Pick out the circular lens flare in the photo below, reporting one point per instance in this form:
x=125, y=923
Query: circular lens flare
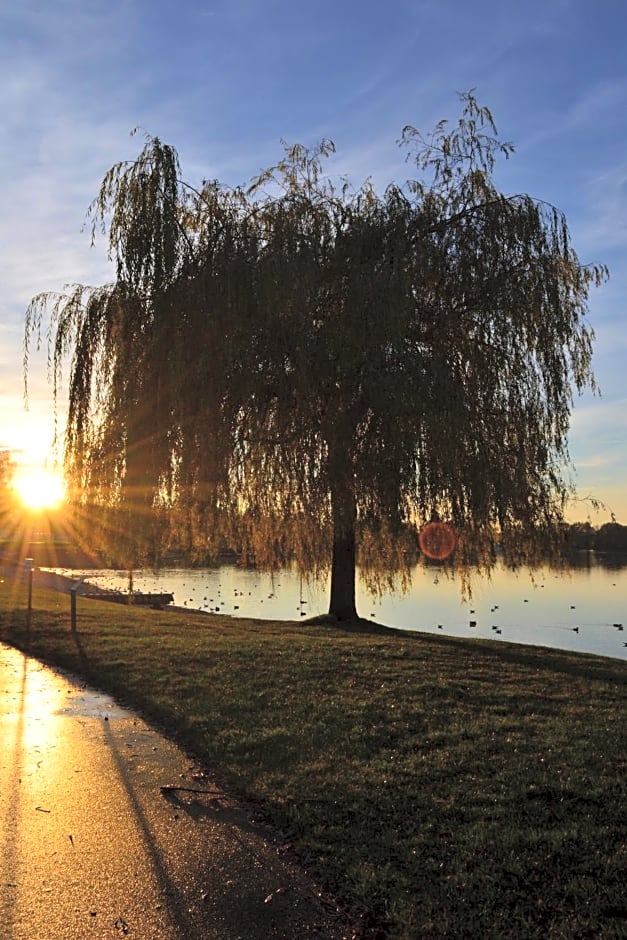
x=437, y=540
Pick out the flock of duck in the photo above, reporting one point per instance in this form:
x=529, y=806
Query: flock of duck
x=212, y=594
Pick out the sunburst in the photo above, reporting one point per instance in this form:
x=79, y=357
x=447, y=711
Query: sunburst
x=39, y=489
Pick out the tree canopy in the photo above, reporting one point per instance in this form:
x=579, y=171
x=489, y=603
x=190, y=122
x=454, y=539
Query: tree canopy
x=305, y=370
x=7, y=471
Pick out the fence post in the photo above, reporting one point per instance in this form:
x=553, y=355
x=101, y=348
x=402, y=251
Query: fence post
x=28, y=567
x=73, y=608
x=73, y=593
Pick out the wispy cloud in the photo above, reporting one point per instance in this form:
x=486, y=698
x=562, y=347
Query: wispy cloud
x=607, y=209
x=598, y=444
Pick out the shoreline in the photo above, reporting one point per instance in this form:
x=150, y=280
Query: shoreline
x=53, y=581
x=550, y=627
x=48, y=579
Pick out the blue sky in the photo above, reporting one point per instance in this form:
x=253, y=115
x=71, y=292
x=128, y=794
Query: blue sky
x=225, y=80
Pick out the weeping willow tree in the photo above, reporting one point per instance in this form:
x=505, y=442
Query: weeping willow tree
x=7, y=471
x=307, y=370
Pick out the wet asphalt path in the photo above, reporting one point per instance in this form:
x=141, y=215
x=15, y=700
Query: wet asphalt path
x=92, y=847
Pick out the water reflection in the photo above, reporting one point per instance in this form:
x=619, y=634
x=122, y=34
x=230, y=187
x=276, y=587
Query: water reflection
x=579, y=607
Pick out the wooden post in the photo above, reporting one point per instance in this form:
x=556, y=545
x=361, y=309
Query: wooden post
x=73, y=593
x=28, y=565
x=73, y=609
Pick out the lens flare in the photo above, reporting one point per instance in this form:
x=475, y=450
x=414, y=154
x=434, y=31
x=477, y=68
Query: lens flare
x=437, y=540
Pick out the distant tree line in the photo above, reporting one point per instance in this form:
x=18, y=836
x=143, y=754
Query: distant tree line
x=583, y=536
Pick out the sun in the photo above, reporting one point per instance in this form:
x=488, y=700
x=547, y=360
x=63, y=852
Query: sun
x=39, y=489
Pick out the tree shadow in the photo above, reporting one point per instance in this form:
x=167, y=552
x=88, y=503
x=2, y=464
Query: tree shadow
x=578, y=665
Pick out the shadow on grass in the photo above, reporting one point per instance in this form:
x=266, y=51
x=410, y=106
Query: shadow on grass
x=577, y=665
x=360, y=626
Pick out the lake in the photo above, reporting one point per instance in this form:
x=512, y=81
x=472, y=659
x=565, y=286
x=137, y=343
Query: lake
x=583, y=609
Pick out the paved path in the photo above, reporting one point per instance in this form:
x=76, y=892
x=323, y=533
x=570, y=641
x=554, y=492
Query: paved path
x=92, y=847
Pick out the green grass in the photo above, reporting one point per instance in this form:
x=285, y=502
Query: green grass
x=438, y=787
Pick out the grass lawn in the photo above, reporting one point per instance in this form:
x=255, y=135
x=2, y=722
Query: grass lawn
x=438, y=787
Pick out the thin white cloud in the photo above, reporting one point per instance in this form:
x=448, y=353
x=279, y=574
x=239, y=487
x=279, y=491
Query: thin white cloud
x=601, y=415
x=598, y=445
x=607, y=209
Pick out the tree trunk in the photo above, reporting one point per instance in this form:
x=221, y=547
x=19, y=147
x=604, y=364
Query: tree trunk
x=342, y=603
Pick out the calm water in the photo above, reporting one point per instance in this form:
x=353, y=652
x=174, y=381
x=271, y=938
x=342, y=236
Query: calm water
x=579, y=611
